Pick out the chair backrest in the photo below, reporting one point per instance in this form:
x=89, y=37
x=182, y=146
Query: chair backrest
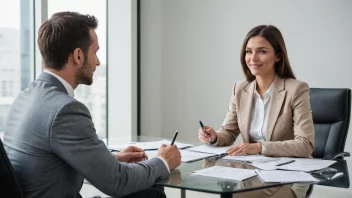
x=9, y=184
x=331, y=110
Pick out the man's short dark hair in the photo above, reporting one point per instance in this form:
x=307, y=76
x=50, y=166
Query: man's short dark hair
x=60, y=35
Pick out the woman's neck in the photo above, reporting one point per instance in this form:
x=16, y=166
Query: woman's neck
x=263, y=84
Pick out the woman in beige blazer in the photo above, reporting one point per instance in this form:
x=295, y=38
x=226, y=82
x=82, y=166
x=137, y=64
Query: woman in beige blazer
x=270, y=109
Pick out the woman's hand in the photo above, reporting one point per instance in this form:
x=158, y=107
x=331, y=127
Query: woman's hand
x=208, y=136
x=245, y=149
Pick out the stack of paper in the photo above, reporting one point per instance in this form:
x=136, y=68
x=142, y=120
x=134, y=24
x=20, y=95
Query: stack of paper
x=285, y=176
x=226, y=173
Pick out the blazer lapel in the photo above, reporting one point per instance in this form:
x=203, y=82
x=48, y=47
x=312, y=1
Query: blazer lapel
x=246, y=109
x=277, y=98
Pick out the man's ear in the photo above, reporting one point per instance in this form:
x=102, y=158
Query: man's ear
x=78, y=57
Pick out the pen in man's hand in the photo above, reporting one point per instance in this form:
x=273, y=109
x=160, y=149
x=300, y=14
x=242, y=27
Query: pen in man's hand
x=173, y=140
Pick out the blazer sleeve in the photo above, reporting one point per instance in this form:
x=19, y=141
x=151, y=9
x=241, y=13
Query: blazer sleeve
x=229, y=129
x=74, y=139
x=303, y=128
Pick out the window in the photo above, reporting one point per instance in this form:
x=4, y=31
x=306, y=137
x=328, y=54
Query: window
x=15, y=69
x=94, y=96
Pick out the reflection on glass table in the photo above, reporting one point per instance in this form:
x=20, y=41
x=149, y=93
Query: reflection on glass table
x=185, y=181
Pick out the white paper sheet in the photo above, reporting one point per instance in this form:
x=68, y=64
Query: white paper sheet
x=250, y=158
x=285, y=176
x=307, y=164
x=155, y=145
x=223, y=172
x=210, y=149
x=186, y=156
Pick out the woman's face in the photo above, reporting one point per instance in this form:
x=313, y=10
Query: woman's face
x=260, y=57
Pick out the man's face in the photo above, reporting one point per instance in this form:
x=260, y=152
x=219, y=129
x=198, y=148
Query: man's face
x=84, y=75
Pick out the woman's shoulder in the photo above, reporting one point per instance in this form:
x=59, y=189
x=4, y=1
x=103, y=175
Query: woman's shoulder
x=291, y=83
x=240, y=85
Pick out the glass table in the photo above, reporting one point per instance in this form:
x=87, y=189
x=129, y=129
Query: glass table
x=181, y=178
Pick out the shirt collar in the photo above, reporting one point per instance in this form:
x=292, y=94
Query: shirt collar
x=266, y=94
x=67, y=86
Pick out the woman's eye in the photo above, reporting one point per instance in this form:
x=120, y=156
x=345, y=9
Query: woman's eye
x=262, y=52
x=248, y=51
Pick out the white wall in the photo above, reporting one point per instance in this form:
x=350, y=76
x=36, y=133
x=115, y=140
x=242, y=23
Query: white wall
x=190, y=55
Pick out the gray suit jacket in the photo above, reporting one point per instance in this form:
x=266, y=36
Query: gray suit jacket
x=52, y=144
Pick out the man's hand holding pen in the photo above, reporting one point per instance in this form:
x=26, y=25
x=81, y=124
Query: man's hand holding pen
x=207, y=134
x=171, y=155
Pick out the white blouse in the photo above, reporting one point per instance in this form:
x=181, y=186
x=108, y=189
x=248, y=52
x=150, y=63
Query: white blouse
x=259, y=122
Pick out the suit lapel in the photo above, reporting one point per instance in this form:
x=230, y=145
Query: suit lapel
x=246, y=109
x=276, y=101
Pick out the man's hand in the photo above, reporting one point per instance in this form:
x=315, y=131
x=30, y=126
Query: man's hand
x=132, y=154
x=171, y=155
x=245, y=149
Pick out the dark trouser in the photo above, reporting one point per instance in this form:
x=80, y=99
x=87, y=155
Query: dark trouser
x=152, y=192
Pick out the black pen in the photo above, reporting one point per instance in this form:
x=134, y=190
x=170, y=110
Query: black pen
x=203, y=127
x=173, y=140
x=284, y=163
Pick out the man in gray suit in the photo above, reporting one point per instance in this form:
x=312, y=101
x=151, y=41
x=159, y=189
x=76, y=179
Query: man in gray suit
x=50, y=137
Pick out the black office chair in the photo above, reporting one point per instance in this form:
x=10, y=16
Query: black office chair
x=9, y=185
x=331, y=109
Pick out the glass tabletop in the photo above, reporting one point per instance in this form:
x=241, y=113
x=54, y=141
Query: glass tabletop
x=181, y=178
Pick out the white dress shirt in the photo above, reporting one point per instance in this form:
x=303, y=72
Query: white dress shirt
x=67, y=86
x=259, y=122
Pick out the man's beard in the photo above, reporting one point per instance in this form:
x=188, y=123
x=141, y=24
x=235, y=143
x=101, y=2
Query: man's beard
x=83, y=75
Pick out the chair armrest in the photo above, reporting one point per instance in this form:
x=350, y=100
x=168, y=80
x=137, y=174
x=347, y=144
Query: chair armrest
x=334, y=156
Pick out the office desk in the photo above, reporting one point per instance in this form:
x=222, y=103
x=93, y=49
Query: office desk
x=181, y=179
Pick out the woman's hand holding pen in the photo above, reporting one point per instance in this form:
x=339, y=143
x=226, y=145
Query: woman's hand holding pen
x=208, y=136
x=245, y=149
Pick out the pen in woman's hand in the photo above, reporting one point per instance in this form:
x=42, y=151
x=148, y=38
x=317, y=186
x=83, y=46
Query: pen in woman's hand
x=204, y=129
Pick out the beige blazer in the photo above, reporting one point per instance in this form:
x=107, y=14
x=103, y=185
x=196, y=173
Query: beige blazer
x=290, y=130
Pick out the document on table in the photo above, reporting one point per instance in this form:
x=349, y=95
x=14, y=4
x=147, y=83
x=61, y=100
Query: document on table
x=222, y=172
x=210, y=149
x=285, y=176
x=307, y=164
x=186, y=155
x=250, y=158
x=155, y=145
x=271, y=163
x=190, y=156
